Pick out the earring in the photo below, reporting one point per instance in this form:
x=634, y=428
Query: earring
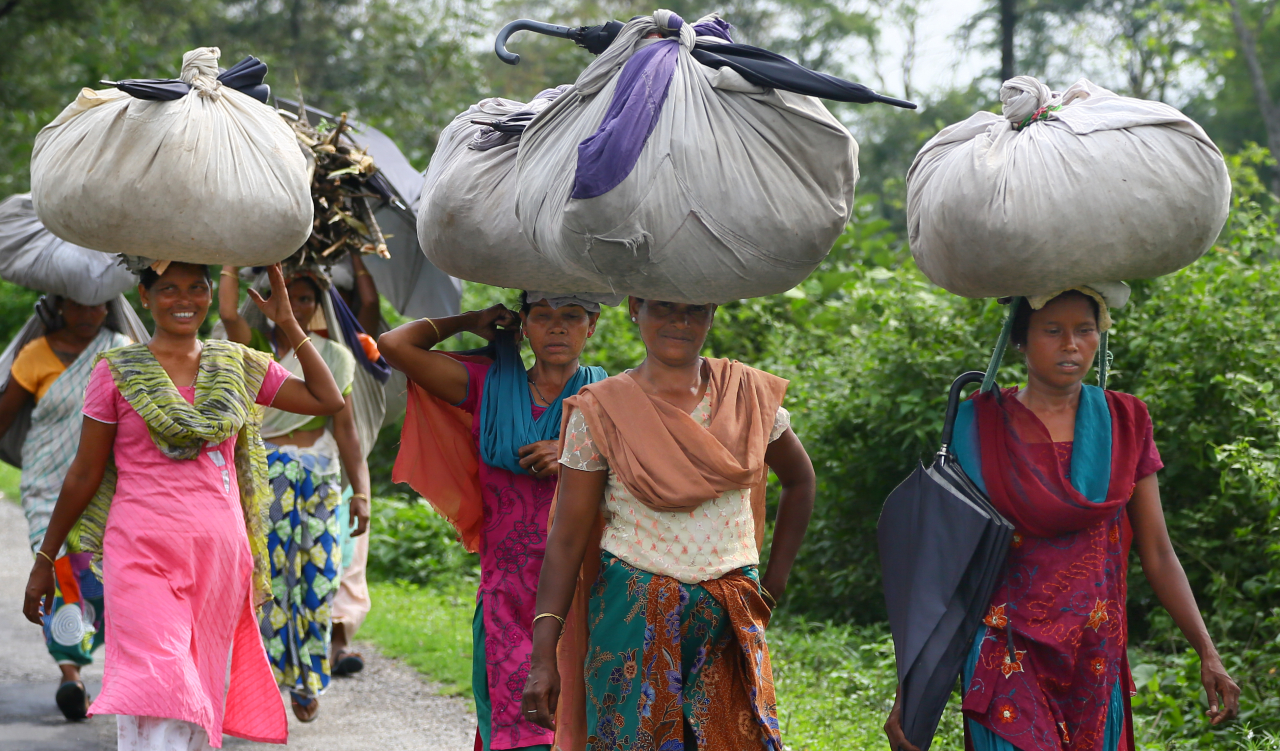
x=633, y=319
x=146, y=305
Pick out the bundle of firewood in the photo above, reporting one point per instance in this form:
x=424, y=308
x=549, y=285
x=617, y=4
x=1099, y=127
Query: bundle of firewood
x=341, y=186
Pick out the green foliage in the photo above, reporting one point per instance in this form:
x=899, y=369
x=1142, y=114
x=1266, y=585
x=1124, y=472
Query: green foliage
x=835, y=686
x=17, y=304
x=412, y=543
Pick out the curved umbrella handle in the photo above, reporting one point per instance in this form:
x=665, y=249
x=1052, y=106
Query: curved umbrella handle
x=511, y=58
x=953, y=404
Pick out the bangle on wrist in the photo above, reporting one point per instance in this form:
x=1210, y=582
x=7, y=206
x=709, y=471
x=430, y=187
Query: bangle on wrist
x=46, y=557
x=297, y=347
x=550, y=615
x=434, y=328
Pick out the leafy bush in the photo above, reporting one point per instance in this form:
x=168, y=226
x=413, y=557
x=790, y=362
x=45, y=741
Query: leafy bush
x=412, y=543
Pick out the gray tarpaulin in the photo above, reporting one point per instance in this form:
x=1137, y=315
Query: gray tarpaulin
x=32, y=256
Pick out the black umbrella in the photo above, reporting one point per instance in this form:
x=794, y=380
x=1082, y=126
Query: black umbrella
x=942, y=545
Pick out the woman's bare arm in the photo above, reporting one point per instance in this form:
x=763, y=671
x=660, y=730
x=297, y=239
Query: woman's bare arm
x=790, y=462
x=14, y=398
x=229, y=306
x=316, y=393
x=577, y=504
x=408, y=349
x=352, y=455
x=1164, y=571
x=82, y=482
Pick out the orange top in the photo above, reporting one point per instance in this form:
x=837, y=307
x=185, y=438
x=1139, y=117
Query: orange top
x=37, y=366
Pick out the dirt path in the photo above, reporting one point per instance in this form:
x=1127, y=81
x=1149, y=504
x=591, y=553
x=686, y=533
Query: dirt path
x=385, y=708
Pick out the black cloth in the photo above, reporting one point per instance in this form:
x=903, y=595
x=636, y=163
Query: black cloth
x=942, y=545
x=246, y=76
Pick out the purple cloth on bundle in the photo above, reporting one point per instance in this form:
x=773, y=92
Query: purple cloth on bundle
x=606, y=157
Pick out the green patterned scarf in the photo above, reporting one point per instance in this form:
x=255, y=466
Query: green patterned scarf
x=226, y=390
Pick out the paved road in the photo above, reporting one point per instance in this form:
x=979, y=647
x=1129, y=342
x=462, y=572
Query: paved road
x=385, y=708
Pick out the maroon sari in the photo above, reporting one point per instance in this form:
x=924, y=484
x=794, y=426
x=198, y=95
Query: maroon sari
x=1056, y=636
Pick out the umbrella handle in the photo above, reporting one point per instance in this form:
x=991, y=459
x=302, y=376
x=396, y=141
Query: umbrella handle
x=524, y=24
x=953, y=405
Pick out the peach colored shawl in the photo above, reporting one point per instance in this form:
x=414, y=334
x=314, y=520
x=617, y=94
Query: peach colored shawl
x=670, y=463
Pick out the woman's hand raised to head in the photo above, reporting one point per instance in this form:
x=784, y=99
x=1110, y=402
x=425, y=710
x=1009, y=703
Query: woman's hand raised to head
x=277, y=307
x=489, y=320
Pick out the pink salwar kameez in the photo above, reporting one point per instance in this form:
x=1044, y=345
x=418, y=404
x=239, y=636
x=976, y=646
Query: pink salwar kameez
x=181, y=638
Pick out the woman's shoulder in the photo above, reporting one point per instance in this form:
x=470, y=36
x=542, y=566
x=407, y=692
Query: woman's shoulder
x=1127, y=401
x=37, y=346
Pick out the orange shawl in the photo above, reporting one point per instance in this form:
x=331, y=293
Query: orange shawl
x=670, y=463
x=438, y=458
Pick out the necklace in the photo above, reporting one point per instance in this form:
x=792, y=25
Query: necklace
x=545, y=401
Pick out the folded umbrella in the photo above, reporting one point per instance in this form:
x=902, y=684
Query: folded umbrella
x=942, y=545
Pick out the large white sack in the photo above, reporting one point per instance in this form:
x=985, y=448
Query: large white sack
x=213, y=177
x=467, y=225
x=1106, y=188
x=32, y=256
x=738, y=192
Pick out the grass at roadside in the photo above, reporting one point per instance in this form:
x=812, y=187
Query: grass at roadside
x=834, y=682
x=10, y=477
x=427, y=627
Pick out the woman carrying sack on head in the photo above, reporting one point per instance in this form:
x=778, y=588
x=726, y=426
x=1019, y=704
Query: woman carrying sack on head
x=665, y=644
x=1073, y=467
x=488, y=465
x=305, y=459
x=52, y=371
x=170, y=457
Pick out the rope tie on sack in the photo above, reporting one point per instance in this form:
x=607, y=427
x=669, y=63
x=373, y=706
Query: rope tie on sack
x=669, y=22
x=1026, y=101
x=200, y=72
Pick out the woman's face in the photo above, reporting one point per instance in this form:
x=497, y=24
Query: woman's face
x=1062, y=339
x=83, y=321
x=179, y=300
x=557, y=335
x=672, y=332
x=303, y=300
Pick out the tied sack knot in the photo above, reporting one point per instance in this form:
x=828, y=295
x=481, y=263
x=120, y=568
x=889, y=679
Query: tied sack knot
x=669, y=22
x=200, y=71
x=1026, y=100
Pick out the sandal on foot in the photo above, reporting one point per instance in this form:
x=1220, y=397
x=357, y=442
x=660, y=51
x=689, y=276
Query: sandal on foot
x=305, y=708
x=347, y=663
x=73, y=700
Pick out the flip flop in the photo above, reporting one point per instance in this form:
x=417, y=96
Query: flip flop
x=73, y=700
x=348, y=663
x=304, y=708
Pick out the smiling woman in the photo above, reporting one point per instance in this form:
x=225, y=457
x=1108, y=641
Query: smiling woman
x=168, y=484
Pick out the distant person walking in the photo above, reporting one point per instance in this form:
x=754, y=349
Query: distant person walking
x=1073, y=467
x=305, y=459
x=170, y=486
x=52, y=372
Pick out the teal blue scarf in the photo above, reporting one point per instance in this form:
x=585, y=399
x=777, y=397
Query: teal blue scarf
x=506, y=411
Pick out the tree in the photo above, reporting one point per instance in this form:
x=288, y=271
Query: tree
x=1247, y=35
